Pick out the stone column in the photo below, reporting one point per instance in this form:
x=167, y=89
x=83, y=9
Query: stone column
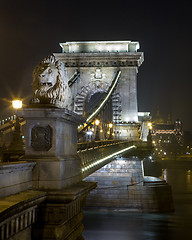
x=128, y=93
x=127, y=128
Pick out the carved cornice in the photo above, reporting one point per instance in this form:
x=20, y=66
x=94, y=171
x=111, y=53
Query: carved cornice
x=111, y=59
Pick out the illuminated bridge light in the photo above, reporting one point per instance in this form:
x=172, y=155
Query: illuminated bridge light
x=106, y=158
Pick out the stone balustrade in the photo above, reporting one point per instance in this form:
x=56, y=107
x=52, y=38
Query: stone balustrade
x=17, y=223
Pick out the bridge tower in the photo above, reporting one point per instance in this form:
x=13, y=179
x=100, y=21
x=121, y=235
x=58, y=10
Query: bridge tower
x=91, y=68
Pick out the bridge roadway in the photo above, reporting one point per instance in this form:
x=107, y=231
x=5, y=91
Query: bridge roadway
x=96, y=154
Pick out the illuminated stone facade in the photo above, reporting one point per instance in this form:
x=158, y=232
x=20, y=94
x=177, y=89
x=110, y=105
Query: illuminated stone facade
x=167, y=140
x=96, y=64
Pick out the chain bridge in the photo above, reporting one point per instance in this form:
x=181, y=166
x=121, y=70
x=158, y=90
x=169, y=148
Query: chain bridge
x=102, y=138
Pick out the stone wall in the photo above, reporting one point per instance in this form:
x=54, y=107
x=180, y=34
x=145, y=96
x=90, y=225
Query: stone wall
x=122, y=186
x=15, y=177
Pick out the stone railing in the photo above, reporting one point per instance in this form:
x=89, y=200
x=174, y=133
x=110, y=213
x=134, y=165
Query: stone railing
x=8, y=119
x=18, y=214
x=17, y=223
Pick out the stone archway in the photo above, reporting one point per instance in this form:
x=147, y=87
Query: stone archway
x=93, y=100
x=88, y=91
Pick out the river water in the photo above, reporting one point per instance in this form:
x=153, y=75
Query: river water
x=147, y=226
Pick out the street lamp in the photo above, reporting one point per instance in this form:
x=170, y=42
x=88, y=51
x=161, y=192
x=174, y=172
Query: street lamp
x=16, y=147
x=149, y=137
x=97, y=122
x=17, y=104
x=110, y=131
x=97, y=137
x=149, y=124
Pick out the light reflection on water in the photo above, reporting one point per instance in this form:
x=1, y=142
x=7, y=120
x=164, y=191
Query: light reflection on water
x=143, y=226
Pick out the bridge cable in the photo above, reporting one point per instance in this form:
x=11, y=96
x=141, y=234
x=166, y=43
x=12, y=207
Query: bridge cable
x=103, y=103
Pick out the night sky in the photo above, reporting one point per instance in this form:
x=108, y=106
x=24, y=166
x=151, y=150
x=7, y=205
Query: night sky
x=32, y=30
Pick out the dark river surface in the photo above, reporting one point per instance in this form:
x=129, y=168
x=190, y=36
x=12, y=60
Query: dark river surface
x=147, y=226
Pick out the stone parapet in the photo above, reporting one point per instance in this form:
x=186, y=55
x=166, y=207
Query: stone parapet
x=18, y=214
x=99, y=46
x=15, y=177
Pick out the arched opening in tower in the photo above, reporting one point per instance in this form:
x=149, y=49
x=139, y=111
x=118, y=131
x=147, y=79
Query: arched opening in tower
x=92, y=103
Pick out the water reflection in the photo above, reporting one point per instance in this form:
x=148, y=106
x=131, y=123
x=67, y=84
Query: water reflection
x=142, y=226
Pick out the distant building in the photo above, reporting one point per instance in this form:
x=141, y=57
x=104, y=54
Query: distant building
x=167, y=137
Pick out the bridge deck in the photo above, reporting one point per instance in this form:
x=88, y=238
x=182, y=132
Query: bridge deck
x=96, y=154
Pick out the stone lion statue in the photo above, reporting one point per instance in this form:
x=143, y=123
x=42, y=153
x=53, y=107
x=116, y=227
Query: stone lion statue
x=50, y=83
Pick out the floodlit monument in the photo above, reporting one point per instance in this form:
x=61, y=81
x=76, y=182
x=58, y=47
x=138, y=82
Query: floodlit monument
x=42, y=196
x=95, y=65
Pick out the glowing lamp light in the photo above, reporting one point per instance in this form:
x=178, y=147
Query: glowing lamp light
x=89, y=133
x=97, y=122
x=149, y=125
x=110, y=125
x=17, y=104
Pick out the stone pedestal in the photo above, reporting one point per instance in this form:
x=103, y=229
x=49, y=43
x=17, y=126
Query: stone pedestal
x=44, y=215
x=60, y=216
x=51, y=140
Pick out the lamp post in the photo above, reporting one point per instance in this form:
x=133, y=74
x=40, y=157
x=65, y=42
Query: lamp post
x=149, y=137
x=16, y=147
x=97, y=137
x=17, y=104
x=110, y=131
